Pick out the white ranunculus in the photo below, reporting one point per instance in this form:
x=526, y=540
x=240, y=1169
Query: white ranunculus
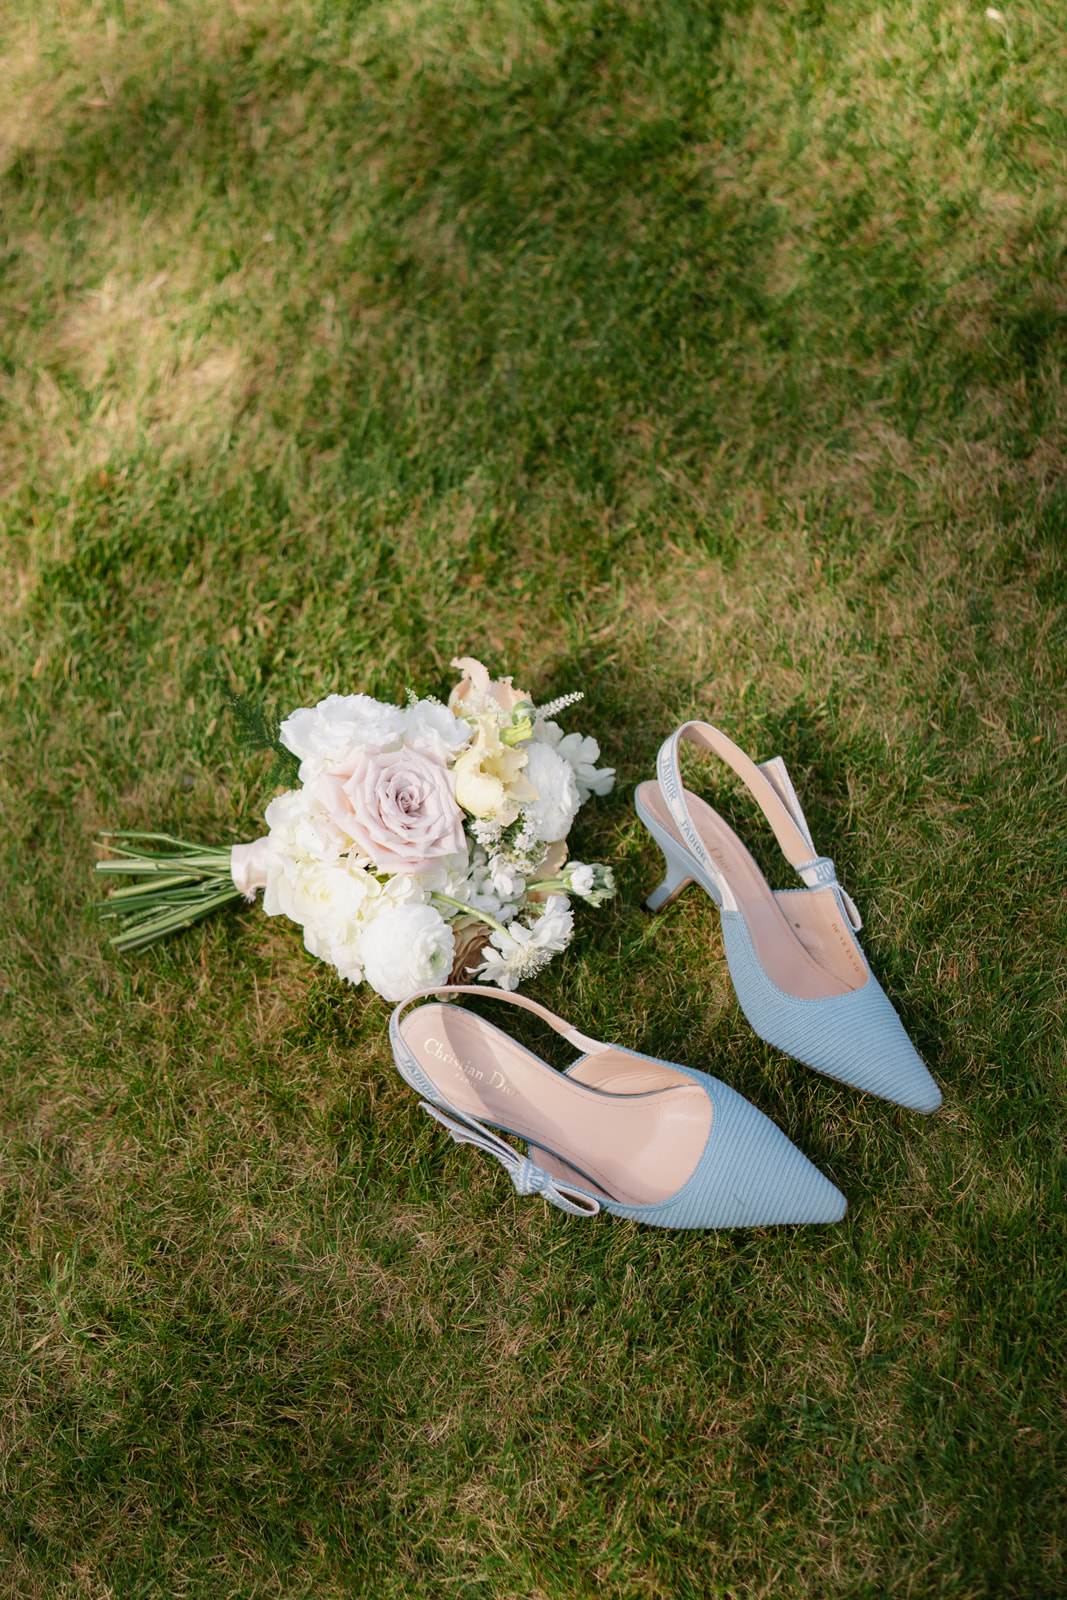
x=581, y=753
x=337, y=937
x=323, y=734
x=557, y=792
x=430, y=726
x=407, y=948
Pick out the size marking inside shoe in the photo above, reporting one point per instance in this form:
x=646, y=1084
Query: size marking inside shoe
x=467, y=1070
x=848, y=948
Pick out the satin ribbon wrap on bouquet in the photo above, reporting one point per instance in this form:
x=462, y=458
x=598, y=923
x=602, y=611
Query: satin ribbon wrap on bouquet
x=424, y=842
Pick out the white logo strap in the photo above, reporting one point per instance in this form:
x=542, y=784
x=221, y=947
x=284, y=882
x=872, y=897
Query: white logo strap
x=670, y=781
x=819, y=872
x=773, y=791
x=777, y=775
x=852, y=910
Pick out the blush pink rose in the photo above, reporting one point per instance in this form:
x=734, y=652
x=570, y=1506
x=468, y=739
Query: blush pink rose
x=397, y=806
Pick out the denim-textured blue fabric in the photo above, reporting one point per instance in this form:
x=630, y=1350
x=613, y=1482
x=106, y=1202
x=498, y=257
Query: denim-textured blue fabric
x=748, y=1175
x=856, y=1038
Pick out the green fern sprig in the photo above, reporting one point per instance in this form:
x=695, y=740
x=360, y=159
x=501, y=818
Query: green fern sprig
x=257, y=726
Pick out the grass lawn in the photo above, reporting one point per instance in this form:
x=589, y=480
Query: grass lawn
x=709, y=357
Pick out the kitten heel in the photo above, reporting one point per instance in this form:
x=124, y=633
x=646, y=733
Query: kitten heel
x=675, y=881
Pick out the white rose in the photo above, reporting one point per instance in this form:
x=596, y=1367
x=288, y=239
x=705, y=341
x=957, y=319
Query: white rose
x=557, y=792
x=316, y=893
x=408, y=948
x=338, y=938
x=334, y=935
x=323, y=942
x=323, y=734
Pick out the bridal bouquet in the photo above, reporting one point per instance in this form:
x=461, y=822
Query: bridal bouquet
x=425, y=842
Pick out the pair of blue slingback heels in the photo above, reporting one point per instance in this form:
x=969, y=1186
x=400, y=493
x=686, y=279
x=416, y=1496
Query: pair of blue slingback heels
x=643, y=1138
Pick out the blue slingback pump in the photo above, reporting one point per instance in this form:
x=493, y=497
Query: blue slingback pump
x=617, y=1131
x=800, y=975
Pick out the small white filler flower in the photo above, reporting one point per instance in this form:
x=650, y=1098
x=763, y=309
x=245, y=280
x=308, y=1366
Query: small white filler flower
x=515, y=953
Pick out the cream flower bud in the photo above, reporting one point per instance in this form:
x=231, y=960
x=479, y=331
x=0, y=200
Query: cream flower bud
x=489, y=776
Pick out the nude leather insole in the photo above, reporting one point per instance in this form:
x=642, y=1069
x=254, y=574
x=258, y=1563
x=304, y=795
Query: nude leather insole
x=637, y=1148
x=809, y=953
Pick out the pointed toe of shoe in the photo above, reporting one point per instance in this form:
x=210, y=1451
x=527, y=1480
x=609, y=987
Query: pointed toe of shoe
x=871, y=1051
x=856, y=1038
x=823, y=1202
x=916, y=1089
x=875, y=1054
x=749, y=1175
x=784, y=1187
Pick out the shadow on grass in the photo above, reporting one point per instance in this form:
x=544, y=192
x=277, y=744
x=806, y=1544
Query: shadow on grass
x=565, y=244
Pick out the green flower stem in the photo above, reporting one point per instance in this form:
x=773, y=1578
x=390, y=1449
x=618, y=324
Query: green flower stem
x=133, y=890
x=184, y=845
x=153, y=866
x=152, y=928
x=197, y=859
x=177, y=887
x=547, y=886
x=460, y=905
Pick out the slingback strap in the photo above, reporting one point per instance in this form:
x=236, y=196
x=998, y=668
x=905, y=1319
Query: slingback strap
x=526, y=1176
x=773, y=791
x=580, y=1041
